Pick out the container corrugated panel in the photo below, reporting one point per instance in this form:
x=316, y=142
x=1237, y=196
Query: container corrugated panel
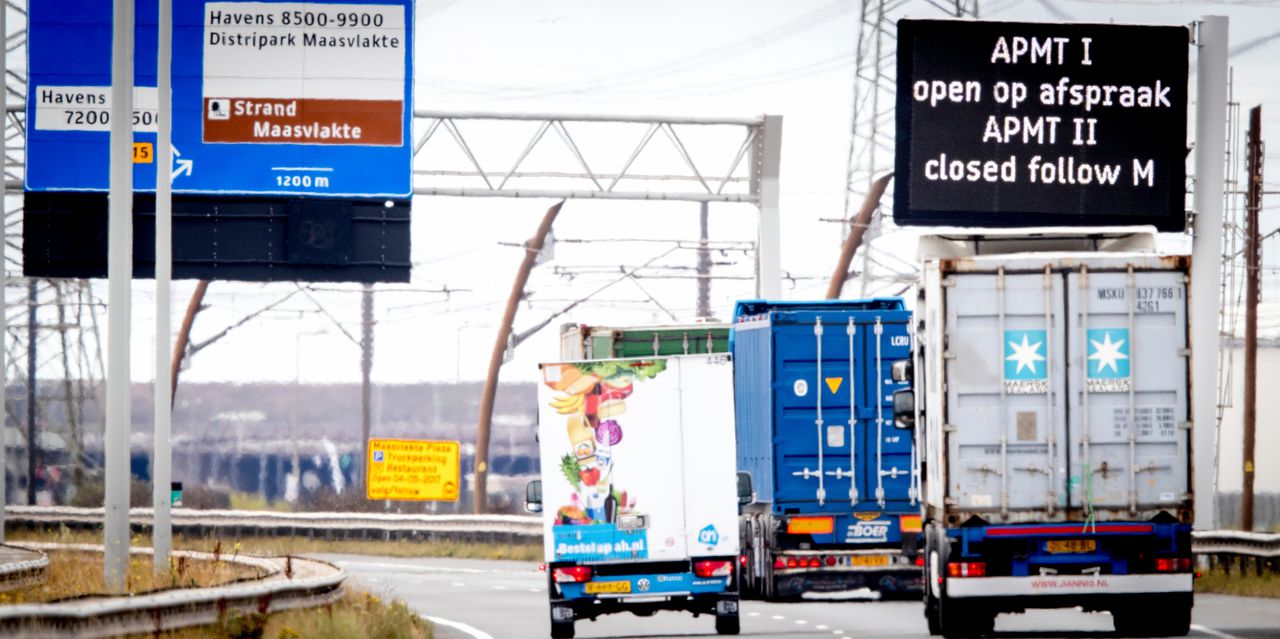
x=794, y=428
x=1066, y=392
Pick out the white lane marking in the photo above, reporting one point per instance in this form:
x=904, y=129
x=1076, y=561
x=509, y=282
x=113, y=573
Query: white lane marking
x=753, y=614
x=778, y=618
x=499, y=587
x=457, y=625
x=1210, y=631
x=822, y=627
x=801, y=622
x=535, y=590
x=422, y=568
x=459, y=584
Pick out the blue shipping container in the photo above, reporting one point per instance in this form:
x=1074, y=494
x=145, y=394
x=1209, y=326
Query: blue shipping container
x=798, y=368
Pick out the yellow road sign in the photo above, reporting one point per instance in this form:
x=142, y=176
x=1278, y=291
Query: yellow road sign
x=412, y=470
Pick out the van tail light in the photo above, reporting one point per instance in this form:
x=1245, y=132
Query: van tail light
x=967, y=569
x=706, y=569
x=1173, y=564
x=571, y=574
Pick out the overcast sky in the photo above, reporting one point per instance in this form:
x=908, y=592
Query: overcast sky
x=721, y=58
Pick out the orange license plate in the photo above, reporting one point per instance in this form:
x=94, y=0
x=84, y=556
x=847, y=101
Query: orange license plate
x=1071, y=545
x=860, y=560
x=608, y=587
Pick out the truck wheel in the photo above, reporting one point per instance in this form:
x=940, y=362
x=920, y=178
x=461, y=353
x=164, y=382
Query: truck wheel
x=931, y=614
x=561, y=629
x=932, y=564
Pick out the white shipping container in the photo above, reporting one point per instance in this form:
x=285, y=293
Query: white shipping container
x=1056, y=387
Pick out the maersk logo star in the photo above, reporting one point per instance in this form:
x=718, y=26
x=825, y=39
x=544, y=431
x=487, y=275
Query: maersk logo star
x=1024, y=355
x=1109, y=348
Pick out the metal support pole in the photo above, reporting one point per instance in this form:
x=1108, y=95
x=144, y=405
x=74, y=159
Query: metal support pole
x=32, y=444
x=1253, y=288
x=184, y=336
x=161, y=450
x=366, y=383
x=767, y=158
x=4, y=270
x=857, y=230
x=479, y=498
x=704, y=263
x=119, y=276
x=1206, y=251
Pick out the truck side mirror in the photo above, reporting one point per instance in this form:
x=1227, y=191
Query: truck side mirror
x=902, y=370
x=746, y=493
x=533, y=496
x=904, y=409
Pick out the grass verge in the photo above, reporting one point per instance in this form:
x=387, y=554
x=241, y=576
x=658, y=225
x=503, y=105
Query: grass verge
x=281, y=546
x=356, y=615
x=77, y=574
x=1246, y=584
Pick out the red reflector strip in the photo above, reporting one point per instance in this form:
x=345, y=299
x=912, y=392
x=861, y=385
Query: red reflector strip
x=1069, y=529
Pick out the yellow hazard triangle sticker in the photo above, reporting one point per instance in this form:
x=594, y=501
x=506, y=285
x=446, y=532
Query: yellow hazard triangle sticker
x=834, y=384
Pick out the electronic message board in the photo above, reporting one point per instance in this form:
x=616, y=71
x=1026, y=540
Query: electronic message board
x=1007, y=124
x=280, y=109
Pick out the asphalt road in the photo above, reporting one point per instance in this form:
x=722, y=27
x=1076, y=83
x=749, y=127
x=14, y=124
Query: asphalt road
x=470, y=599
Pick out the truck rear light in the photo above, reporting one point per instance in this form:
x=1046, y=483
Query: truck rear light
x=571, y=574
x=791, y=563
x=1173, y=564
x=830, y=561
x=919, y=562
x=706, y=569
x=811, y=525
x=779, y=563
x=967, y=569
x=742, y=560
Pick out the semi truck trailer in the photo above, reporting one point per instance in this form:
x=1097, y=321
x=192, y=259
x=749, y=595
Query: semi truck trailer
x=1051, y=403
x=836, y=505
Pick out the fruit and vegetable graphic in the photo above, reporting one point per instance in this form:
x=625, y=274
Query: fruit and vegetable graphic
x=592, y=397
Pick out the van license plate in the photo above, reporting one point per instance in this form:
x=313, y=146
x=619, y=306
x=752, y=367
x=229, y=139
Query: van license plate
x=610, y=587
x=1071, y=545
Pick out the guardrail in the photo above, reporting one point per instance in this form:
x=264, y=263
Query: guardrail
x=1227, y=548
x=502, y=529
x=289, y=582
x=21, y=567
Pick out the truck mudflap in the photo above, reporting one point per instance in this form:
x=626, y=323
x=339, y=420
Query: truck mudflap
x=1052, y=585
